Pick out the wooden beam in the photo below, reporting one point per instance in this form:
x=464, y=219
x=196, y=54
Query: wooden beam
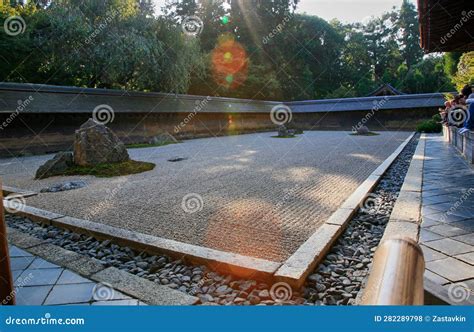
x=397, y=274
x=7, y=294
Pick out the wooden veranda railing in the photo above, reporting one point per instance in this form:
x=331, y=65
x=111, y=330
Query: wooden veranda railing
x=397, y=274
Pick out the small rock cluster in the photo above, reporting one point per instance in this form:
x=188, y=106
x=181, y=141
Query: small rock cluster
x=283, y=131
x=162, y=139
x=94, y=144
x=71, y=185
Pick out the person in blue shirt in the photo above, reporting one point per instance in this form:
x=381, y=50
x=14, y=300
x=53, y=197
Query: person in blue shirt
x=467, y=92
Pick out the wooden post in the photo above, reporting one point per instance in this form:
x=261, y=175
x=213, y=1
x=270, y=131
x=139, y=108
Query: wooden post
x=397, y=273
x=7, y=295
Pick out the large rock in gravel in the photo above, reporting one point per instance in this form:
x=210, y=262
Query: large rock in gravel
x=96, y=144
x=56, y=166
x=285, y=132
x=362, y=130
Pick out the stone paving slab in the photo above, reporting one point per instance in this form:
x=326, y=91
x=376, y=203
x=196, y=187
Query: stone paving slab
x=447, y=234
x=467, y=258
x=437, y=279
x=144, y=289
x=70, y=277
x=452, y=269
x=468, y=238
x=43, y=283
x=426, y=235
x=261, y=196
x=432, y=255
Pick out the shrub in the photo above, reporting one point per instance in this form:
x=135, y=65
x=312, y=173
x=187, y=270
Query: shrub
x=436, y=118
x=429, y=126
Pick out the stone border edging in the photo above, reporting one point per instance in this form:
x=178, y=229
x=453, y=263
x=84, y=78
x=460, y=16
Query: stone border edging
x=132, y=285
x=224, y=262
x=16, y=191
x=405, y=219
x=296, y=268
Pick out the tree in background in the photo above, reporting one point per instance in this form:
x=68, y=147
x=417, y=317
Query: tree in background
x=451, y=61
x=465, y=72
x=280, y=55
x=426, y=76
x=408, y=34
x=104, y=44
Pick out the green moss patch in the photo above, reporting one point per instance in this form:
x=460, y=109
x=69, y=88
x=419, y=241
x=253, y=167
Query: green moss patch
x=147, y=145
x=111, y=170
x=368, y=134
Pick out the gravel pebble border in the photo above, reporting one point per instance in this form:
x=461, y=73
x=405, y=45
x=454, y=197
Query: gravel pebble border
x=337, y=281
x=210, y=287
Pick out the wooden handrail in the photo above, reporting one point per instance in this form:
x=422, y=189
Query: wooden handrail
x=397, y=273
x=7, y=295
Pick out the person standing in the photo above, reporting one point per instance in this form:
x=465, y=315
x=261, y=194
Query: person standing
x=468, y=94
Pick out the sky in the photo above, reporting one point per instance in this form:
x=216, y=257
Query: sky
x=347, y=11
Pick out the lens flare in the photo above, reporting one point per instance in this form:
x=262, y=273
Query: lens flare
x=225, y=20
x=229, y=63
x=228, y=57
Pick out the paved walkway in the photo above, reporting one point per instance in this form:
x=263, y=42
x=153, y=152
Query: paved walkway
x=39, y=282
x=254, y=195
x=447, y=233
